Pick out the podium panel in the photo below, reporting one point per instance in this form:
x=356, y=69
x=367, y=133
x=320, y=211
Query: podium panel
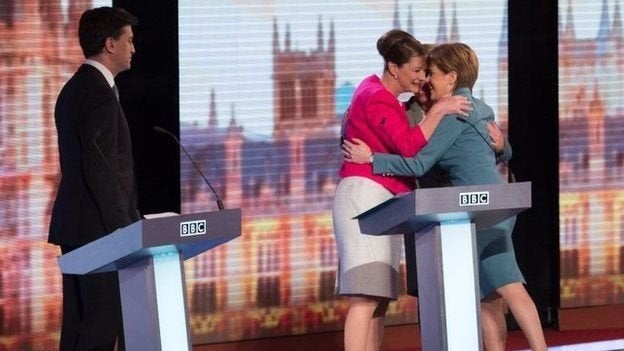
x=445, y=222
x=149, y=256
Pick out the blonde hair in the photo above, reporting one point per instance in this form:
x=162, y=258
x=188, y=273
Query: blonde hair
x=457, y=57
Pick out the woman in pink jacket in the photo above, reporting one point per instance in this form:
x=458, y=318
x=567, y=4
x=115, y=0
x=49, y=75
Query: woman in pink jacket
x=368, y=269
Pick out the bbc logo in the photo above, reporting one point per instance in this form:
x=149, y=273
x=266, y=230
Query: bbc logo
x=476, y=198
x=192, y=228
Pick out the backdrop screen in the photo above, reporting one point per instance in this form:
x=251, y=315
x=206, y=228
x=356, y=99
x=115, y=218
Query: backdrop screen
x=262, y=91
x=591, y=153
x=39, y=51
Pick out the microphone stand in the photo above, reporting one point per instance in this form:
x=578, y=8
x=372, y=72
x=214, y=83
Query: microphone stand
x=164, y=131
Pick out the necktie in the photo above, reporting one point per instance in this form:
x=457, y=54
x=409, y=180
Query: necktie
x=116, y=91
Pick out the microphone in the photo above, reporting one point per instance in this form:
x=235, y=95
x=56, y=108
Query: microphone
x=164, y=131
x=512, y=177
x=108, y=166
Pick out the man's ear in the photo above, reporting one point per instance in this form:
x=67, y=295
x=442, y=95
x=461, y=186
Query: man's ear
x=109, y=45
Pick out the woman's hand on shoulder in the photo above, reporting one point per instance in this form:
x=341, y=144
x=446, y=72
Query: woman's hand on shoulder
x=456, y=104
x=356, y=151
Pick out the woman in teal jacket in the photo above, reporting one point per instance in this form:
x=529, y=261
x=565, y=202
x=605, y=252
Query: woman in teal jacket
x=459, y=146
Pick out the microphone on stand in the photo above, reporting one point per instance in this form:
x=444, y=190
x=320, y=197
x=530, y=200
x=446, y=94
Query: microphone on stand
x=512, y=177
x=164, y=131
x=108, y=166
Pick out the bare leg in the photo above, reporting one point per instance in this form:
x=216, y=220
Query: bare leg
x=525, y=313
x=493, y=323
x=363, y=328
x=376, y=329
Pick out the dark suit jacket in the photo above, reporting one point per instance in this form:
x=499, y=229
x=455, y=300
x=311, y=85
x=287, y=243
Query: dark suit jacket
x=96, y=194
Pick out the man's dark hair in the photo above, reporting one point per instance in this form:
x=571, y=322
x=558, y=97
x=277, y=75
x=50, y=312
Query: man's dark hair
x=97, y=25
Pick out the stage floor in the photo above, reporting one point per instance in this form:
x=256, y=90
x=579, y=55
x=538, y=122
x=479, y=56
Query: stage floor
x=571, y=340
x=406, y=338
x=574, y=340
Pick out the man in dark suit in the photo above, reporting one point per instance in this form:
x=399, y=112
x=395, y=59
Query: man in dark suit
x=96, y=194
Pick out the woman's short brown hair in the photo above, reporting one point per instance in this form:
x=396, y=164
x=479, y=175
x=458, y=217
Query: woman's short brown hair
x=457, y=57
x=399, y=47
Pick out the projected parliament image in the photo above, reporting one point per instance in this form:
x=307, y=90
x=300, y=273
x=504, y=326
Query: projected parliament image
x=261, y=94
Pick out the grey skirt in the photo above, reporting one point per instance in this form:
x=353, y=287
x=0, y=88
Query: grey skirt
x=367, y=265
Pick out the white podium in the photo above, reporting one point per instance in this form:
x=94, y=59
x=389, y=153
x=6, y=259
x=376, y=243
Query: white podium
x=445, y=221
x=149, y=256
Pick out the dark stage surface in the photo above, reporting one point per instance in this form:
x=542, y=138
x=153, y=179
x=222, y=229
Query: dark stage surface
x=407, y=338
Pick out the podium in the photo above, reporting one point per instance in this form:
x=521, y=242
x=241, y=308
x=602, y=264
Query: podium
x=149, y=256
x=444, y=222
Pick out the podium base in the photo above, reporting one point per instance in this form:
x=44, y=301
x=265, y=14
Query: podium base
x=148, y=324
x=448, y=287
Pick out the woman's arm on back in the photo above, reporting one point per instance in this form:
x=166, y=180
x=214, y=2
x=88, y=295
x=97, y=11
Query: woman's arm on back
x=499, y=143
x=443, y=138
x=389, y=121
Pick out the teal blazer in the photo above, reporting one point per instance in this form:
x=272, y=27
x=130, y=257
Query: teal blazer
x=460, y=146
